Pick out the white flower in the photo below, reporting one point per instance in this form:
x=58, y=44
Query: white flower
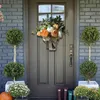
x=60, y=34
x=50, y=29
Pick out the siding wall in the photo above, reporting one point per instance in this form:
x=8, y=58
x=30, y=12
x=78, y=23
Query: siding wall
x=13, y=15
x=89, y=15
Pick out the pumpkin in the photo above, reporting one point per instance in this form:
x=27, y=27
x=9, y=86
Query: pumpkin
x=5, y=96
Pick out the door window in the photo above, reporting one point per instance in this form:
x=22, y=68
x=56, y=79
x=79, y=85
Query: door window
x=50, y=10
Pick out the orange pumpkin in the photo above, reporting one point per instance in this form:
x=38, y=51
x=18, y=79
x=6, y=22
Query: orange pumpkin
x=54, y=33
x=5, y=96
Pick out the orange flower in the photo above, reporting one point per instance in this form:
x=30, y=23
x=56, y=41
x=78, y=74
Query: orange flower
x=55, y=26
x=38, y=33
x=44, y=33
x=54, y=33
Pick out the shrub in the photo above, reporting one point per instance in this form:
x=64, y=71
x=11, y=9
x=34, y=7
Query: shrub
x=90, y=35
x=14, y=70
x=14, y=36
x=88, y=69
x=81, y=91
x=19, y=90
x=91, y=93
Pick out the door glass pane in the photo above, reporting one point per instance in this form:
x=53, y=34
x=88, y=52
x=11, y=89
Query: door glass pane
x=44, y=8
x=61, y=15
x=57, y=8
x=41, y=17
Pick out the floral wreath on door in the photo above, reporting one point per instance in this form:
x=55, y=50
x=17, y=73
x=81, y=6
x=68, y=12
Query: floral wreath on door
x=51, y=30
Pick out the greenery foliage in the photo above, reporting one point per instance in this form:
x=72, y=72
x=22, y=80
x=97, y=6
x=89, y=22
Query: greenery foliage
x=91, y=93
x=88, y=69
x=94, y=94
x=50, y=22
x=14, y=70
x=19, y=90
x=81, y=91
x=90, y=35
x=14, y=37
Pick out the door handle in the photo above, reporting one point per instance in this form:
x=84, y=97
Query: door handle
x=71, y=60
x=71, y=55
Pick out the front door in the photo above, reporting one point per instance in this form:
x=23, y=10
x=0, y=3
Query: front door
x=48, y=70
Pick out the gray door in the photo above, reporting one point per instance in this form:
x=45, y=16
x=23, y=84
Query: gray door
x=50, y=70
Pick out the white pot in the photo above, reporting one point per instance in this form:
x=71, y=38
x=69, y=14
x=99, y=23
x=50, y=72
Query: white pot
x=91, y=84
x=9, y=83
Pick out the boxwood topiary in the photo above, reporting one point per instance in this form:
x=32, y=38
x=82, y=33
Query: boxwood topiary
x=88, y=69
x=14, y=70
x=14, y=37
x=90, y=35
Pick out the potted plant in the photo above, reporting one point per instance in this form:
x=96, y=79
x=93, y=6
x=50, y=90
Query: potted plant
x=88, y=68
x=19, y=90
x=14, y=70
x=85, y=93
x=81, y=93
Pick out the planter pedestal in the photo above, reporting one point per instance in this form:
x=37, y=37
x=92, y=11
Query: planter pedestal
x=9, y=83
x=91, y=84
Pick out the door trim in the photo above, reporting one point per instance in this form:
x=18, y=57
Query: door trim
x=76, y=41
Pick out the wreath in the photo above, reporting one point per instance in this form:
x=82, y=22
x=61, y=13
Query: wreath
x=51, y=30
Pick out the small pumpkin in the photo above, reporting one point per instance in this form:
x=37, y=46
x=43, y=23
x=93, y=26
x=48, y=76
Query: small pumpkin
x=5, y=96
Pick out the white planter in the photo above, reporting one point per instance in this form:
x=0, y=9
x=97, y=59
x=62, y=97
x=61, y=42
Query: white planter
x=91, y=84
x=9, y=83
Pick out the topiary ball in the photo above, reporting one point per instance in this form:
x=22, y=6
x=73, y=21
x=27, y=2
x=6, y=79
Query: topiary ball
x=88, y=69
x=14, y=70
x=90, y=35
x=14, y=37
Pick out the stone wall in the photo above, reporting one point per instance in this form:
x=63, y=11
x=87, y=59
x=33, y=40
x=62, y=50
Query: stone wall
x=89, y=15
x=13, y=18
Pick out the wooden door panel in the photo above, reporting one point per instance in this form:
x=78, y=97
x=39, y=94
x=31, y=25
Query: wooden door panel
x=49, y=70
x=42, y=71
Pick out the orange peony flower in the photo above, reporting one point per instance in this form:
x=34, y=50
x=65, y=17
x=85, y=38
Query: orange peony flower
x=54, y=33
x=44, y=33
x=38, y=33
x=55, y=26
